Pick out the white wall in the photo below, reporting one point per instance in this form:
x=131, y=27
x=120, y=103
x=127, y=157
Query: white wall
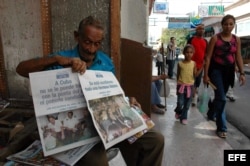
x=20, y=27
x=134, y=20
x=243, y=24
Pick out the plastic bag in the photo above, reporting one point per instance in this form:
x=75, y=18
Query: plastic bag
x=167, y=89
x=204, y=98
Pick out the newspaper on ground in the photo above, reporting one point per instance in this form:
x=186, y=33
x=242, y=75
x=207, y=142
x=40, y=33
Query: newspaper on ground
x=3, y=104
x=33, y=155
x=63, y=119
x=112, y=115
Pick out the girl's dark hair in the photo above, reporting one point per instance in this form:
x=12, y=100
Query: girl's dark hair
x=226, y=17
x=187, y=47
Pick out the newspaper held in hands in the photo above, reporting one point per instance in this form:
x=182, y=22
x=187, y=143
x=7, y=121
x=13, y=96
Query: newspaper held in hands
x=62, y=116
x=148, y=121
x=112, y=115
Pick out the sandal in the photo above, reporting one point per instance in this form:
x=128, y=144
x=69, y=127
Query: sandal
x=222, y=134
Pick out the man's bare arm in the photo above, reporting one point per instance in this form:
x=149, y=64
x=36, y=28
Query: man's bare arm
x=35, y=65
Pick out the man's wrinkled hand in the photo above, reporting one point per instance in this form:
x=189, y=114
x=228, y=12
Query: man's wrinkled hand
x=78, y=65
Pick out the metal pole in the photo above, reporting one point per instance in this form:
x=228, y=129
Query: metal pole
x=163, y=72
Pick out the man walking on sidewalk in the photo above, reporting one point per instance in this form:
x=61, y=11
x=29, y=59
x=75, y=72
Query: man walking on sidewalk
x=200, y=46
x=171, y=48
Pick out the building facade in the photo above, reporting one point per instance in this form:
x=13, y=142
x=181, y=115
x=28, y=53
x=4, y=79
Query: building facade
x=240, y=10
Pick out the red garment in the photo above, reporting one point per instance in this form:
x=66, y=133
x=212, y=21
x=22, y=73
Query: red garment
x=200, y=45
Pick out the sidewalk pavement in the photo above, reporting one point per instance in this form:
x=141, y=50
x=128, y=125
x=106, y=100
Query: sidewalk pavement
x=247, y=68
x=196, y=143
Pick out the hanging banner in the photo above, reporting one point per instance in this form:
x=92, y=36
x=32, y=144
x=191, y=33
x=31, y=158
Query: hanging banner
x=208, y=11
x=178, y=23
x=216, y=10
x=179, y=19
x=203, y=11
x=194, y=21
x=161, y=7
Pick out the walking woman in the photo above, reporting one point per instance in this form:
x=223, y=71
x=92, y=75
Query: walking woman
x=224, y=50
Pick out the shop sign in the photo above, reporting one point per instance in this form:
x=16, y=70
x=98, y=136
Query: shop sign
x=208, y=11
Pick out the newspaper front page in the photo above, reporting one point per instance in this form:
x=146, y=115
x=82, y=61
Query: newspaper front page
x=112, y=115
x=63, y=119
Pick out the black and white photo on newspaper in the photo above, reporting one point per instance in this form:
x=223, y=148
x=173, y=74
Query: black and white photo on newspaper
x=112, y=115
x=63, y=119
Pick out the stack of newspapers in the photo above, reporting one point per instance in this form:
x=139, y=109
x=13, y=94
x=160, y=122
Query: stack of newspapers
x=74, y=112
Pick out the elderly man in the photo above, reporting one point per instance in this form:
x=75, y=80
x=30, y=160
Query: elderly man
x=148, y=150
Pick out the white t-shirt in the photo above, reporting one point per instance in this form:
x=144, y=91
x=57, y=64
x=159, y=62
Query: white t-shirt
x=159, y=57
x=56, y=127
x=70, y=123
x=50, y=142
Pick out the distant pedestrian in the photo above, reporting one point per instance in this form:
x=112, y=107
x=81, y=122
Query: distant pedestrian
x=224, y=51
x=171, y=55
x=159, y=58
x=186, y=72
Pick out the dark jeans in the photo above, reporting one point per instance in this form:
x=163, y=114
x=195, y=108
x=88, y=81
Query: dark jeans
x=219, y=102
x=170, y=64
x=197, y=81
x=160, y=68
x=183, y=103
x=155, y=90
